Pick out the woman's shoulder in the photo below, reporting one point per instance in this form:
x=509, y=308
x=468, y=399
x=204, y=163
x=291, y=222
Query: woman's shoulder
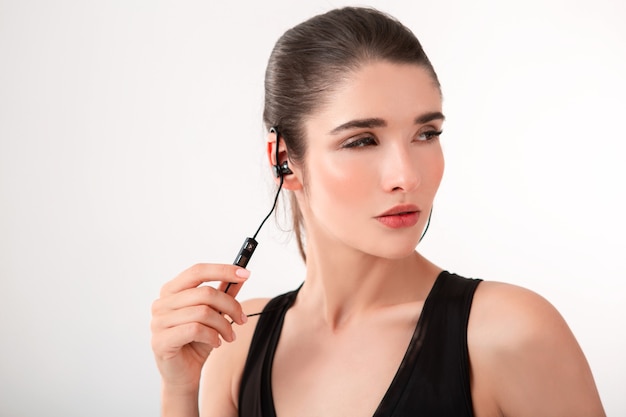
x=511, y=313
x=221, y=374
x=524, y=357
x=513, y=321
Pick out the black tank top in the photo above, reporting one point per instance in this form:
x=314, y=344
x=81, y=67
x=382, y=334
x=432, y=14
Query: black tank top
x=432, y=380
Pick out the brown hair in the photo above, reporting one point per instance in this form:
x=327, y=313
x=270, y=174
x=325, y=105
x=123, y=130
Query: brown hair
x=311, y=59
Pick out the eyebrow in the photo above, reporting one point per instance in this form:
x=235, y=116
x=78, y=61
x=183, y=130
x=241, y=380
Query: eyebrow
x=377, y=122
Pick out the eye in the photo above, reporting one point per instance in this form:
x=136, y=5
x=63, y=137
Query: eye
x=429, y=135
x=360, y=142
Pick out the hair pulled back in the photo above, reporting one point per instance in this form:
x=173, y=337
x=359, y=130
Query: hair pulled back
x=312, y=58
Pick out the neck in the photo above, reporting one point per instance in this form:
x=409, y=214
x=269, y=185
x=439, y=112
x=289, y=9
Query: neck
x=344, y=285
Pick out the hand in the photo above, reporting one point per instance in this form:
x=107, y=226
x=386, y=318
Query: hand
x=188, y=320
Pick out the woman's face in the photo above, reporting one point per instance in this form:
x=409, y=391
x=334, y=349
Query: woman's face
x=374, y=161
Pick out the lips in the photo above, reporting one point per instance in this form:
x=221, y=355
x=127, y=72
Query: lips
x=400, y=209
x=404, y=215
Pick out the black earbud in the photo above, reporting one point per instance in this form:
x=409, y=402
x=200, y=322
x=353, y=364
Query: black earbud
x=280, y=170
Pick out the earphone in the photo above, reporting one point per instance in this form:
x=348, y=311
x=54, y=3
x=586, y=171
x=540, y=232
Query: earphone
x=282, y=169
x=279, y=169
x=249, y=245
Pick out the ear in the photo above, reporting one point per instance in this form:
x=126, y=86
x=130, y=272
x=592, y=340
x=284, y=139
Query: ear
x=292, y=181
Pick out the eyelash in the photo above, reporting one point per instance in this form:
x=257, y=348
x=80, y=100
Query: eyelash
x=360, y=142
x=431, y=134
x=369, y=140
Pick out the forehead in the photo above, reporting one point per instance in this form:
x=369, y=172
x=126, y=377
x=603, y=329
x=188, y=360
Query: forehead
x=393, y=92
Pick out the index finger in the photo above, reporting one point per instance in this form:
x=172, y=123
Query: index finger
x=203, y=272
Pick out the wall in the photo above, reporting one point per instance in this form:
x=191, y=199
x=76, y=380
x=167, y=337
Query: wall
x=131, y=147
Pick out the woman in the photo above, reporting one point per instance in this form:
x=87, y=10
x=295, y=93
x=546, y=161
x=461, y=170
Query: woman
x=353, y=106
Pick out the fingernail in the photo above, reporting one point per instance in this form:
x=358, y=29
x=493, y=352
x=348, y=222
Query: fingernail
x=244, y=318
x=234, y=336
x=242, y=273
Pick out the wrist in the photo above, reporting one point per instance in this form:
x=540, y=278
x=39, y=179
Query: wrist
x=179, y=400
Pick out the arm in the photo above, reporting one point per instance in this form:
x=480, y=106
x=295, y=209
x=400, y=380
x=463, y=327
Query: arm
x=179, y=402
x=525, y=356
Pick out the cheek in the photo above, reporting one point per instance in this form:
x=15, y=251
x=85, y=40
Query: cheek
x=430, y=165
x=334, y=180
x=438, y=169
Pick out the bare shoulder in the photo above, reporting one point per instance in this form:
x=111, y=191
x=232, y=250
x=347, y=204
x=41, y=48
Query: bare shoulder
x=524, y=358
x=221, y=375
x=510, y=315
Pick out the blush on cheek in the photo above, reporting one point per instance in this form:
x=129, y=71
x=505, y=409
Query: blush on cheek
x=438, y=172
x=347, y=180
x=433, y=168
x=340, y=185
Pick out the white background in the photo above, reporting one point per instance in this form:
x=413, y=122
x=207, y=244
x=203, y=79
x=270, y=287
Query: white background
x=131, y=147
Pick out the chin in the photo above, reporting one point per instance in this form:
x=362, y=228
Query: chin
x=395, y=252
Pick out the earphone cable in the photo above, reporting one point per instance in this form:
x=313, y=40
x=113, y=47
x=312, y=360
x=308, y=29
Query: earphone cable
x=280, y=186
x=250, y=243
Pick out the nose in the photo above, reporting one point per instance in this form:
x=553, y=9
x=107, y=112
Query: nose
x=400, y=170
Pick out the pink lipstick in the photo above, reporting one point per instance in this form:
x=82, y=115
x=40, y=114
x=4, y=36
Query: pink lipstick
x=405, y=215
